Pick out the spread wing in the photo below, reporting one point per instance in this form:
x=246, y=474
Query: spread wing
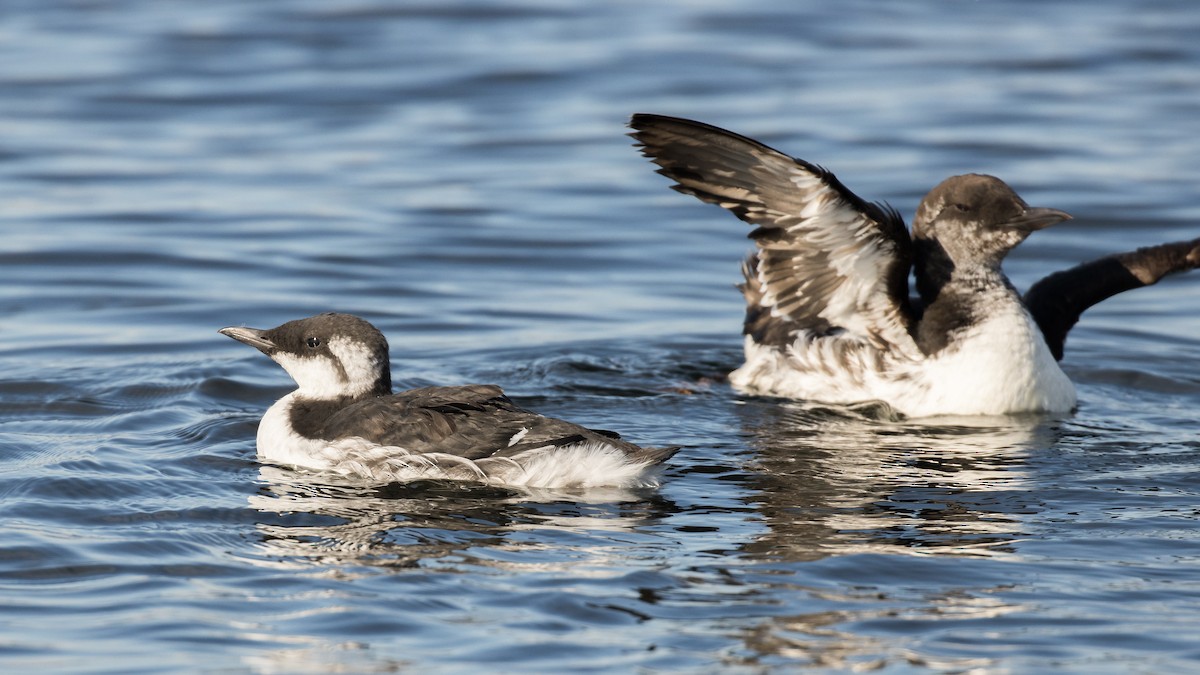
x=473, y=421
x=826, y=258
x=1057, y=301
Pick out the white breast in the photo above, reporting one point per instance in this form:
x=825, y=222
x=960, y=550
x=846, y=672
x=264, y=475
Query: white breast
x=1001, y=366
x=279, y=443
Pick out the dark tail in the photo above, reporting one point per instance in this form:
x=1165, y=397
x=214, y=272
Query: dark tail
x=654, y=456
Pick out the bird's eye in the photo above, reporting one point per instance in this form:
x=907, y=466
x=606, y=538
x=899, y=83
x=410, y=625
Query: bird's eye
x=314, y=342
x=962, y=207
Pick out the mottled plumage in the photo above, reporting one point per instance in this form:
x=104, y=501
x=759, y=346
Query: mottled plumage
x=344, y=418
x=828, y=313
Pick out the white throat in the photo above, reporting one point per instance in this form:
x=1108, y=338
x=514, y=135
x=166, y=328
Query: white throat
x=353, y=370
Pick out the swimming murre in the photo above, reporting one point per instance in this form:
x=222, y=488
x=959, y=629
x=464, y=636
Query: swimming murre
x=343, y=417
x=828, y=314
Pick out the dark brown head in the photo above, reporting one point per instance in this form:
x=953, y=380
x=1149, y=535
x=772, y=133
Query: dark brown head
x=328, y=355
x=978, y=219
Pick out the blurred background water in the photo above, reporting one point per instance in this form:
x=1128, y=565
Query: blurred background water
x=457, y=173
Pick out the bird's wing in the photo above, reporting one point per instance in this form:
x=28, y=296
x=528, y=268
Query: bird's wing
x=826, y=258
x=472, y=421
x=1057, y=301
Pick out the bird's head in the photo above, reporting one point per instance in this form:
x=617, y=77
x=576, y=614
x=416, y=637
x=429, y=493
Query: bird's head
x=977, y=219
x=328, y=355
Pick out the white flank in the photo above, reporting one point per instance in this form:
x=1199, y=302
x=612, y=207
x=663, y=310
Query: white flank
x=582, y=465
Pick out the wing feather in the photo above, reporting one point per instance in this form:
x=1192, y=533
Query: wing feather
x=1057, y=301
x=472, y=421
x=826, y=258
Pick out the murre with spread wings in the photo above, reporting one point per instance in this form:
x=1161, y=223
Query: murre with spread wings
x=343, y=417
x=828, y=315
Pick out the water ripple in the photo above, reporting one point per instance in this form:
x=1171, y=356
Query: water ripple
x=457, y=172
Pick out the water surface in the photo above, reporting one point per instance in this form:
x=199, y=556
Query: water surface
x=457, y=173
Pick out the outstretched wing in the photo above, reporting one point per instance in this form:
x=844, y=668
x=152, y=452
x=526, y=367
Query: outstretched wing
x=1057, y=301
x=472, y=421
x=826, y=258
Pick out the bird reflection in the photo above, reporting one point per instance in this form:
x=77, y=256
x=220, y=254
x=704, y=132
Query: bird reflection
x=860, y=491
x=320, y=519
x=853, y=480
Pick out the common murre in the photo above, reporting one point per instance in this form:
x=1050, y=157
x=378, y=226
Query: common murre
x=343, y=417
x=828, y=314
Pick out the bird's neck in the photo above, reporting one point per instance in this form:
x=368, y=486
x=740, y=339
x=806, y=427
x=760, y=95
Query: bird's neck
x=308, y=416
x=932, y=268
x=935, y=270
x=280, y=441
x=293, y=429
x=326, y=390
x=955, y=297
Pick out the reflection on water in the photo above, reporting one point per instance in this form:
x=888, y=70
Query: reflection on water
x=324, y=519
x=848, y=489
x=842, y=638
x=837, y=482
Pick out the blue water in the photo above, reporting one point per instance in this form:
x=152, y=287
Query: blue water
x=457, y=173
